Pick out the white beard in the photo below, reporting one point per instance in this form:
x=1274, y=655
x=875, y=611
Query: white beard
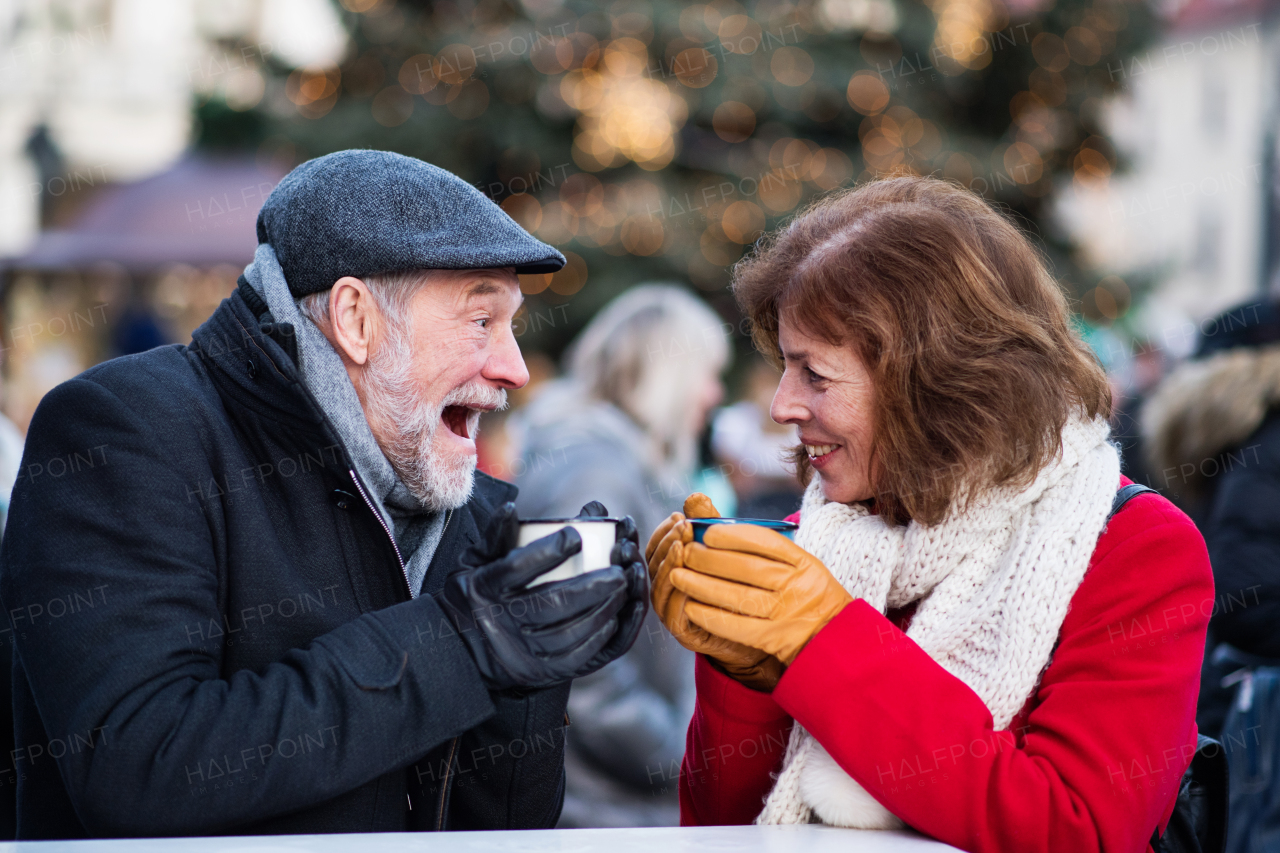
x=438, y=478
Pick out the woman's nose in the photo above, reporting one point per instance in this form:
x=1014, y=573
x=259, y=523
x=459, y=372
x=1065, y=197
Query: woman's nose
x=788, y=406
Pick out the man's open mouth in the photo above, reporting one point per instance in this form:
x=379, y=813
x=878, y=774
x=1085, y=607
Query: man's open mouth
x=460, y=420
x=463, y=406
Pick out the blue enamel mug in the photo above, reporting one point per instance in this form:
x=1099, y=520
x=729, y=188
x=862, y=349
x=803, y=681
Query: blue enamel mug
x=786, y=528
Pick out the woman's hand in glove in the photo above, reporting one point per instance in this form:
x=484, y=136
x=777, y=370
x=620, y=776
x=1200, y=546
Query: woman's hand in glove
x=554, y=632
x=754, y=586
x=665, y=553
x=697, y=505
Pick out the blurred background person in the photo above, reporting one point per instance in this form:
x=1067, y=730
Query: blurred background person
x=753, y=450
x=1213, y=427
x=622, y=428
x=1131, y=386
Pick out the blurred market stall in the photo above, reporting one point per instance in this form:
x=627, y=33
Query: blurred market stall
x=139, y=265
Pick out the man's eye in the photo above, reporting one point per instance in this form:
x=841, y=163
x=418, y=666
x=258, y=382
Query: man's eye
x=813, y=377
x=484, y=322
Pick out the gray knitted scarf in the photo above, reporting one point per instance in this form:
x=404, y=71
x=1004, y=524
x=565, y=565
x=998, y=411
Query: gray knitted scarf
x=417, y=532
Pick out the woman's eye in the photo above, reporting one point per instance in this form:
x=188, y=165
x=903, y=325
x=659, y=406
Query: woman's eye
x=484, y=322
x=813, y=377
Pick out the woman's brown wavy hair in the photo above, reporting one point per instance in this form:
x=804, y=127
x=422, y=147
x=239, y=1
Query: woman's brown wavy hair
x=965, y=333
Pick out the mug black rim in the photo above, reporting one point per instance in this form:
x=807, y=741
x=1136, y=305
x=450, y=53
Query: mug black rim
x=567, y=520
x=763, y=522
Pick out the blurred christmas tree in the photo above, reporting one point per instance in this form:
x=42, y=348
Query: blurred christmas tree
x=656, y=140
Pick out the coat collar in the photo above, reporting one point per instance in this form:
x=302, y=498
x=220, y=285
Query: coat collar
x=250, y=359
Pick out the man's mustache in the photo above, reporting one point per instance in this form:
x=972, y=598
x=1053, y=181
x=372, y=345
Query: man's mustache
x=476, y=395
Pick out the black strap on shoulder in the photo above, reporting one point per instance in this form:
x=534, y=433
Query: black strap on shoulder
x=1126, y=494
x=1200, y=813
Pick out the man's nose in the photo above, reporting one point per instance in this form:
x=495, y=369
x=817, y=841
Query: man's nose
x=505, y=365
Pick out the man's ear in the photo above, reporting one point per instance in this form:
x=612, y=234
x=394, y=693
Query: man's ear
x=353, y=316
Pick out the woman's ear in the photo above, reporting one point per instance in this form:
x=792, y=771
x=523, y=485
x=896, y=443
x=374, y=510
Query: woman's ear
x=353, y=319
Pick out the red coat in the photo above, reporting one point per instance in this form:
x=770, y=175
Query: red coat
x=1092, y=763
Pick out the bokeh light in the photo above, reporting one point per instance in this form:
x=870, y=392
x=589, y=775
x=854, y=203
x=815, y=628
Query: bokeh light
x=733, y=121
x=525, y=210
x=570, y=278
x=1083, y=45
x=418, y=75
x=454, y=64
x=791, y=66
x=867, y=93
x=695, y=67
x=313, y=90
x=642, y=234
x=625, y=115
x=739, y=34
x=1050, y=52
x=742, y=222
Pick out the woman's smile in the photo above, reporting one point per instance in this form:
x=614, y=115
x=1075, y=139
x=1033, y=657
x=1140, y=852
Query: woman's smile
x=817, y=451
x=820, y=454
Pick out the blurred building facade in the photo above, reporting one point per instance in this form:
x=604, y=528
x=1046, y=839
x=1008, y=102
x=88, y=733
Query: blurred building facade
x=1192, y=209
x=113, y=237
x=93, y=91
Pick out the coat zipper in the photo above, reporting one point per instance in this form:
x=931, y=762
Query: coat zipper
x=404, y=573
x=453, y=744
x=444, y=788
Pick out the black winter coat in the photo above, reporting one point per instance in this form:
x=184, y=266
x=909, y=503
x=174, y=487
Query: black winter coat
x=1242, y=530
x=213, y=633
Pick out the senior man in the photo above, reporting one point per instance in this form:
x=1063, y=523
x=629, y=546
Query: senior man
x=280, y=599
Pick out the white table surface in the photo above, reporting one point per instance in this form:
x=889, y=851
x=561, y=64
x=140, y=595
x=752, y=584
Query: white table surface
x=735, y=839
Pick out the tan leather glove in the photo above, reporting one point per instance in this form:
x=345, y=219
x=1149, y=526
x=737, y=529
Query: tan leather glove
x=665, y=553
x=754, y=586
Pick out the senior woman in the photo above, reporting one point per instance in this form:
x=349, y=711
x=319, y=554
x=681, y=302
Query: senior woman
x=957, y=640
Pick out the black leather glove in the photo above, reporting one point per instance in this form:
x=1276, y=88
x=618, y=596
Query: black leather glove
x=625, y=554
x=532, y=638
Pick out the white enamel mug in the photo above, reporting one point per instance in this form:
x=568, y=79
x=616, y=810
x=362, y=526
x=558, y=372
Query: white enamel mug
x=598, y=536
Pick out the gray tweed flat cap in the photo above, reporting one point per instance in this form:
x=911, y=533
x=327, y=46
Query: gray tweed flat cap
x=363, y=212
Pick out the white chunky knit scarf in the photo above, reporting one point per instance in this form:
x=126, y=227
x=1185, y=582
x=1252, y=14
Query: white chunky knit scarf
x=993, y=584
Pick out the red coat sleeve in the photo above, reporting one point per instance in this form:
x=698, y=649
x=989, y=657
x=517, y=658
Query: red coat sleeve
x=1093, y=764
x=736, y=739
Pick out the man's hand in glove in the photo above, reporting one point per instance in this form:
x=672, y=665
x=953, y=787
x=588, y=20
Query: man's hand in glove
x=625, y=554
x=752, y=585
x=665, y=553
x=557, y=631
